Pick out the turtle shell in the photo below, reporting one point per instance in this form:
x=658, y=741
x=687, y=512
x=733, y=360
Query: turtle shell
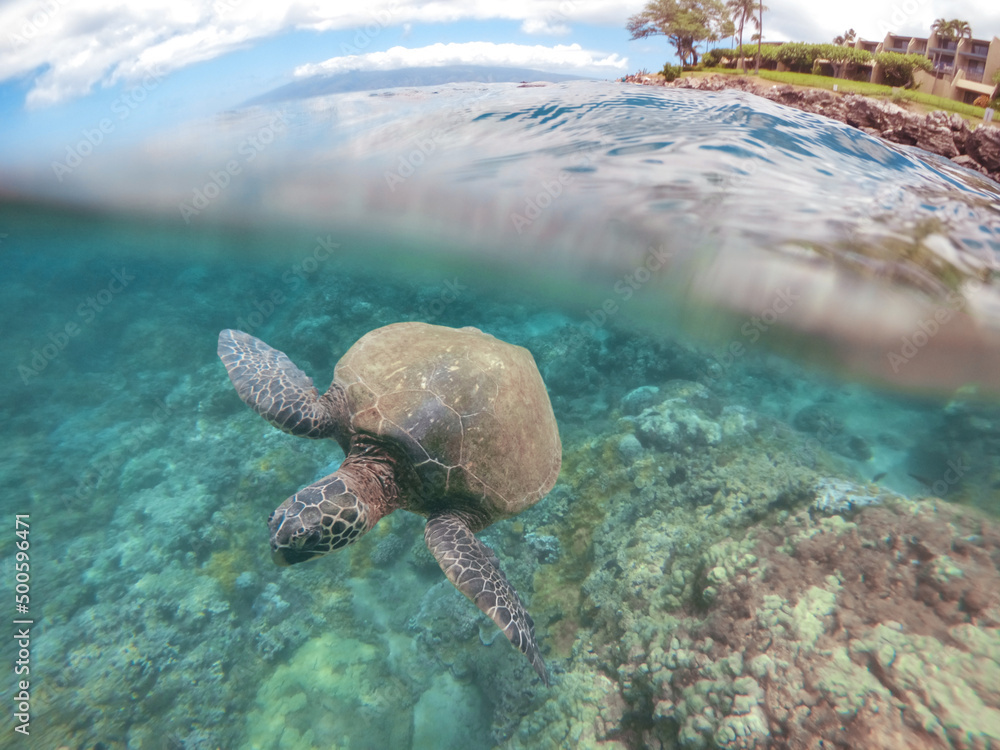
x=469, y=411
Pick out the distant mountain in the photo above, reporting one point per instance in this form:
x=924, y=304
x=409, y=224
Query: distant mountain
x=366, y=80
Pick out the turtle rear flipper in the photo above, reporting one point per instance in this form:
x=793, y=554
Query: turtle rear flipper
x=475, y=571
x=271, y=385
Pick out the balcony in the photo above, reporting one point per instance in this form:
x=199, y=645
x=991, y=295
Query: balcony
x=945, y=46
x=900, y=50
x=973, y=74
x=979, y=50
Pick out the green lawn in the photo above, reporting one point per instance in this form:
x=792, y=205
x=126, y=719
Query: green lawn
x=865, y=89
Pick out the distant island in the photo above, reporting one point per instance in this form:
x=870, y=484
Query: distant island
x=369, y=80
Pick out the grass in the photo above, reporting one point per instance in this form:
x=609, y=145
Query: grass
x=865, y=89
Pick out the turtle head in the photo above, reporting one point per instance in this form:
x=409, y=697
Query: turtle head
x=319, y=519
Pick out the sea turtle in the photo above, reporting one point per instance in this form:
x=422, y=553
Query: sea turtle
x=452, y=424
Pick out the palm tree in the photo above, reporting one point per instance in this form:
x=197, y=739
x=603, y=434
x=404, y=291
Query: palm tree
x=760, y=36
x=961, y=29
x=943, y=29
x=951, y=31
x=742, y=11
x=848, y=36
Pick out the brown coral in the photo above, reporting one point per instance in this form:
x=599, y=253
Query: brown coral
x=881, y=633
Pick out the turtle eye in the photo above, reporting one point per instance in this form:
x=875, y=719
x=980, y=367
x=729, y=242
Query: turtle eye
x=304, y=541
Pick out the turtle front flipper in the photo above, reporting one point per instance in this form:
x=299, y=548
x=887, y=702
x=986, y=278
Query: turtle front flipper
x=271, y=385
x=475, y=571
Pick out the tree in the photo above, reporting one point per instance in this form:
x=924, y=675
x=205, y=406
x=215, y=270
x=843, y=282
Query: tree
x=897, y=69
x=943, y=29
x=961, y=29
x=846, y=38
x=952, y=30
x=683, y=22
x=743, y=10
x=760, y=35
x=842, y=58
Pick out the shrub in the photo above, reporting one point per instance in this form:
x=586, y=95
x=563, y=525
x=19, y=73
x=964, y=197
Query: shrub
x=797, y=56
x=897, y=69
x=714, y=57
x=671, y=72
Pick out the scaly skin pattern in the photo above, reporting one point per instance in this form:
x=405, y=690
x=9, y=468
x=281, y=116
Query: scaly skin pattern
x=338, y=509
x=474, y=570
x=271, y=385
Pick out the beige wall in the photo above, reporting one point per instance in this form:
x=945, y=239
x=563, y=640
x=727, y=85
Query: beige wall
x=928, y=83
x=992, y=61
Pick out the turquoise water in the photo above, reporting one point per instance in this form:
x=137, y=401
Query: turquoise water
x=770, y=342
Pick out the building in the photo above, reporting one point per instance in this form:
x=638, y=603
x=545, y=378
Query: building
x=962, y=70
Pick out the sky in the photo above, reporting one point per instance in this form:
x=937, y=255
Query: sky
x=72, y=70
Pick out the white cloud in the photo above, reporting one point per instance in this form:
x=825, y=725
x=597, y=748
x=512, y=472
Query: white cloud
x=561, y=57
x=66, y=48
x=544, y=26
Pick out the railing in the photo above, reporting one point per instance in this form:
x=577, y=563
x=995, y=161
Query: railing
x=976, y=76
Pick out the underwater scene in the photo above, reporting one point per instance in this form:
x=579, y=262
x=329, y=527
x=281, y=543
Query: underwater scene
x=762, y=510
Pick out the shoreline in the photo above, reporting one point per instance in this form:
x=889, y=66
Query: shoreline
x=941, y=133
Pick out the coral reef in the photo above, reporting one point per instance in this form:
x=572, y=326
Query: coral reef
x=696, y=518
x=879, y=632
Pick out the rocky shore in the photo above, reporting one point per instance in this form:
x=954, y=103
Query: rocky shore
x=947, y=135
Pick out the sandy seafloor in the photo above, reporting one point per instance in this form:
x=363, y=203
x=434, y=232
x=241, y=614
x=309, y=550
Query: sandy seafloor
x=715, y=568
